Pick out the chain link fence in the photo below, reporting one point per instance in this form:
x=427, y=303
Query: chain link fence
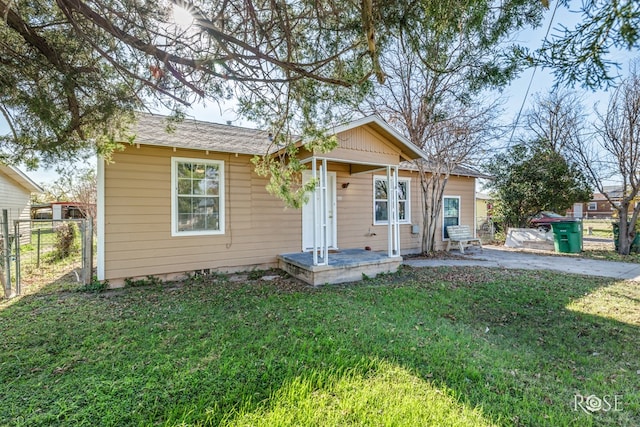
x=41, y=252
x=485, y=229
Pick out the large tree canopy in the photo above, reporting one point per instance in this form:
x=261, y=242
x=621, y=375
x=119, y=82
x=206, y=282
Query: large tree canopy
x=585, y=54
x=69, y=69
x=532, y=178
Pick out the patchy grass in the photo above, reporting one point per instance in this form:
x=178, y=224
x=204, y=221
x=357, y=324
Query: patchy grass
x=599, y=228
x=610, y=255
x=444, y=346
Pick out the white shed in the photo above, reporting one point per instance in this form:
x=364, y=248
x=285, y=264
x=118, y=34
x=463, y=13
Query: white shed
x=15, y=196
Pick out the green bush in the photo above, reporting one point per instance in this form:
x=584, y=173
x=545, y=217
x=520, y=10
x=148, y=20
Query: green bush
x=95, y=286
x=65, y=242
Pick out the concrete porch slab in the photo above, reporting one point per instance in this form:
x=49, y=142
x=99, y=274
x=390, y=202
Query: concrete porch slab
x=347, y=265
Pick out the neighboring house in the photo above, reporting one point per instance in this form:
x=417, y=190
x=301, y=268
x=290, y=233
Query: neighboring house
x=15, y=196
x=484, y=205
x=598, y=207
x=484, y=209
x=190, y=201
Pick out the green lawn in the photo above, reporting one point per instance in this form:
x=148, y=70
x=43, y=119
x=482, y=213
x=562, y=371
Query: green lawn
x=599, y=228
x=457, y=347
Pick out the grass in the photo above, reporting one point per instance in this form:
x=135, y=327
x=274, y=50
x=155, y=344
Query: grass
x=602, y=228
x=440, y=347
x=44, y=262
x=599, y=228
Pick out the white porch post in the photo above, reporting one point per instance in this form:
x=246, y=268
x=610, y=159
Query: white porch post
x=396, y=217
x=325, y=211
x=393, y=228
x=320, y=213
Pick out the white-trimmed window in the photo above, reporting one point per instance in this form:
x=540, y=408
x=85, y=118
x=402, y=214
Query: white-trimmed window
x=197, y=196
x=380, y=211
x=450, y=213
x=592, y=206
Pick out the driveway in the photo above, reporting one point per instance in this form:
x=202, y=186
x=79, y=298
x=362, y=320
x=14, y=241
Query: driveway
x=501, y=257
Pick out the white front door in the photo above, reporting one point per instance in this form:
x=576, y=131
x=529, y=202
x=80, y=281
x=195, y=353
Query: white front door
x=307, y=213
x=577, y=210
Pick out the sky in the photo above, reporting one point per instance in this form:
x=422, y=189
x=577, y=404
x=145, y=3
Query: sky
x=542, y=81
x=515, y=96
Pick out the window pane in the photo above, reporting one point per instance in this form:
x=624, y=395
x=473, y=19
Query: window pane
x=198, y=186
x=199, y=222
x=185, y=222
x=212, y=172
x=402, y=190
x=381, y=211
x=381, y=189
x=213, y=222
x=211, y=187
x=198, y=171
x=451, y=221
x=199, y=205
x=402, y=211
x=210, y=215
x=184, y=186
x=184, y=205
x=451, y=207
x=184, y=170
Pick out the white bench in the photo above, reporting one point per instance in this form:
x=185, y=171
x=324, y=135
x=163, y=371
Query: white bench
x=461, y=234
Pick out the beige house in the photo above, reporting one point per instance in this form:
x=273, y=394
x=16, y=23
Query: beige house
x=190, y=201
x=15, y=197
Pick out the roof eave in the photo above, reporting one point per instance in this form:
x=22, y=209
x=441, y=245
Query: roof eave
x=21, y=178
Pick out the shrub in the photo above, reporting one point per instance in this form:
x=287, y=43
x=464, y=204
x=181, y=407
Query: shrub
x=94, y=286
x=65, y=242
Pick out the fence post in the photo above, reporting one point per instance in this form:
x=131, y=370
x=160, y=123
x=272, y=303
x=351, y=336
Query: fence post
x=87, y=253
x=38, y=248
x=16, y=241
x=6, y=254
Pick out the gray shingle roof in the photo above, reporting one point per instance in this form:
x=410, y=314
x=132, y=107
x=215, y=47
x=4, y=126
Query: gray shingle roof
x=151, y=129
x=458, y=170
x=198, y=135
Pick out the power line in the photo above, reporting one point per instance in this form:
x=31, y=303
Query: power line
x=535, y=68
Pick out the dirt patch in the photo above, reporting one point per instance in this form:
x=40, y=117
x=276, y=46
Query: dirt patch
x=439, y=255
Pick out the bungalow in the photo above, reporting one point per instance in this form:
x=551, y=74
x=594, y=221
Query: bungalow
x=15, y=197
x=190, y=201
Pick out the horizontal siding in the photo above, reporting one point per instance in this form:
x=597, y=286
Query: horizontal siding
x=17, y=201
x=355, y=214
x=365, y=140
x=464, y=187
x=138, y=239
x=258, y=227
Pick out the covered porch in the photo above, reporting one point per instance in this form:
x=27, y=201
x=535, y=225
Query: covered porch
x=370, y=151
x=321, y=260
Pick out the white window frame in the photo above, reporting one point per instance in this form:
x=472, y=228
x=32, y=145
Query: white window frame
x=407, y=202
x=459, y=213
x=174, y=197
x=592, y=206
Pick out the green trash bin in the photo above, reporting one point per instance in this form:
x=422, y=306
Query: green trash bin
x=567, y=236
x=635, y=245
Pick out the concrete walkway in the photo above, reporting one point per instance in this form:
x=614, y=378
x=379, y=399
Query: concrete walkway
x=501, y=257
